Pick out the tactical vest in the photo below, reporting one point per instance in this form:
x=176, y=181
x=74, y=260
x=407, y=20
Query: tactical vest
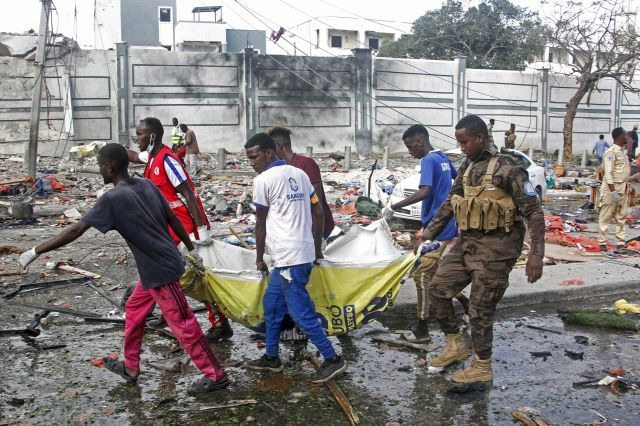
x=485, y=207
x=176, y=138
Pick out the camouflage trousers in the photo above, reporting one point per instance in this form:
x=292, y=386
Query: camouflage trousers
x=489, y=280
x=422, y=276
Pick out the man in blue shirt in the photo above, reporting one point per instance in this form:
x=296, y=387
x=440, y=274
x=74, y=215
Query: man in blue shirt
x=599, y=148
x=436, y=176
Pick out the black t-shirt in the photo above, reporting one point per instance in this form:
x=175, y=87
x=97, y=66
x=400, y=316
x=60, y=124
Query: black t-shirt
x=136, y=210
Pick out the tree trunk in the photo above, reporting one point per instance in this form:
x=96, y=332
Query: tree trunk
x=572, y=109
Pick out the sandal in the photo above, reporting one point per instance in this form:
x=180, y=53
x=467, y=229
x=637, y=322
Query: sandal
x=205, y=384
x=117, y=367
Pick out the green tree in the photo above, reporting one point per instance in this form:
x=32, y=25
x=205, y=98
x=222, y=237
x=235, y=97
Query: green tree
x=496, y=34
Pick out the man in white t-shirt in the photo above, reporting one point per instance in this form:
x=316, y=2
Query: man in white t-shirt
x=290, y=222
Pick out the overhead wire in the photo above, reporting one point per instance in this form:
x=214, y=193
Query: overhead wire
x=366, y=94
x=394, y=128
x=459, y=109
x=425, y=71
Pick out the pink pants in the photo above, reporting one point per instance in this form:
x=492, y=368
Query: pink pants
x=176, y=311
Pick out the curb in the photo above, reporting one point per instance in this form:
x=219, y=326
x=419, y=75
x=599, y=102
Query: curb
x=526, y=299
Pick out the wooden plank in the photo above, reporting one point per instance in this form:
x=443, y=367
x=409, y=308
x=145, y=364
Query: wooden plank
x=340, y=397
x=242, y=242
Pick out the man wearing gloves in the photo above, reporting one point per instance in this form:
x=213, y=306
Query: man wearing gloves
x=613, y=192
x=290, y=223
x=165, y=170
x=436, y=174
x=494, y=203
x=141, y=215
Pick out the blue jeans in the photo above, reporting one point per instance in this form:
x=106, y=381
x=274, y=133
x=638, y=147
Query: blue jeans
x=286, y=293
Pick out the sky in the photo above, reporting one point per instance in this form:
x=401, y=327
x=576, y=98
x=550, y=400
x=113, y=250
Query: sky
x=20, y=16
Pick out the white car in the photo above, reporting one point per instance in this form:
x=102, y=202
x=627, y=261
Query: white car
x=408, y=186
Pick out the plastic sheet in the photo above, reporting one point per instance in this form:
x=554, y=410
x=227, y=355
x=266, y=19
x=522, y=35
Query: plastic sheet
x=356, y=282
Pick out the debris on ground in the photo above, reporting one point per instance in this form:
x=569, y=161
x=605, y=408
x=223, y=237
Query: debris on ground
x=572, y=281
x=528, y=416
x=601, y=319
x=541, y=354
x=624, y=307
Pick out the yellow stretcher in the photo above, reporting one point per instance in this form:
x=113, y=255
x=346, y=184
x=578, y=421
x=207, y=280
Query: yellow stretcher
x=358, y=280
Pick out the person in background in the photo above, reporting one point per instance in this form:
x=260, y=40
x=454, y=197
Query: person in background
x=177, y=137
x=192, y=150
x=136, y=209
x=282, y=137
x=492, y=123
x=290, y=224
x=632, y=143
x=613, y=191
x=166, y=172
x=436, y=175
x=600, y=147
x=510, y=141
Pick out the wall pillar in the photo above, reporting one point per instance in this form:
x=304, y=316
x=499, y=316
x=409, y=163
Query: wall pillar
x=122, y=92
x=460, y=84
x=544, y=111
x=363, y=63
x=617, y=107
x=250, y=91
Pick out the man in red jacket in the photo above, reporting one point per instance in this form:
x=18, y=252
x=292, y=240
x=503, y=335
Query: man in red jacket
x=168, y=174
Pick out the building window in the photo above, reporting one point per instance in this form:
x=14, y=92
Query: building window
x=165, y=14
x=336, y=41
x=317, y=38
x=374, y=43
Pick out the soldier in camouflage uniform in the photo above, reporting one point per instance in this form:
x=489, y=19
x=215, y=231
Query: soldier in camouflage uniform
x=490, y=198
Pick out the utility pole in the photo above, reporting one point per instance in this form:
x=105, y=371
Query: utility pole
x=31, y=148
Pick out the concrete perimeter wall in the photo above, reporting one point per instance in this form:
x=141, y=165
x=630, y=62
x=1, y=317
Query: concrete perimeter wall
x=328, y=102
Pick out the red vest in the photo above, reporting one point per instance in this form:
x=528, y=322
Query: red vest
x=156, y=173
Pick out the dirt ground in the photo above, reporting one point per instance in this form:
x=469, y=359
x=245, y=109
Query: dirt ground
x=385, y=385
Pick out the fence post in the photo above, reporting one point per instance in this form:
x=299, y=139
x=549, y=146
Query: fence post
x=363, y=93
x=222, y=159
x=347, y=158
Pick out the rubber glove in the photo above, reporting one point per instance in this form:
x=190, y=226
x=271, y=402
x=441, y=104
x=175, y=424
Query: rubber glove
x=194, y=260
x=387, y=212
x=27, y=257
x=615, y=197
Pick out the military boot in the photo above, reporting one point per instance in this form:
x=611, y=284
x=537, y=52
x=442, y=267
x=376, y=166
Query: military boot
x=456, y=350
x=422, y=332
x=479, y=371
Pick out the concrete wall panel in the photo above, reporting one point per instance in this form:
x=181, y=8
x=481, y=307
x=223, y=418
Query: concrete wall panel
x=302, y=79
x=413, y=82
x=185, y=75
x=581, y=124
x=477, y=90
x=85, y=87
x=92, y=129
x=564, y=94
x=412, y=115
x=305, y=116
x=192, y=115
